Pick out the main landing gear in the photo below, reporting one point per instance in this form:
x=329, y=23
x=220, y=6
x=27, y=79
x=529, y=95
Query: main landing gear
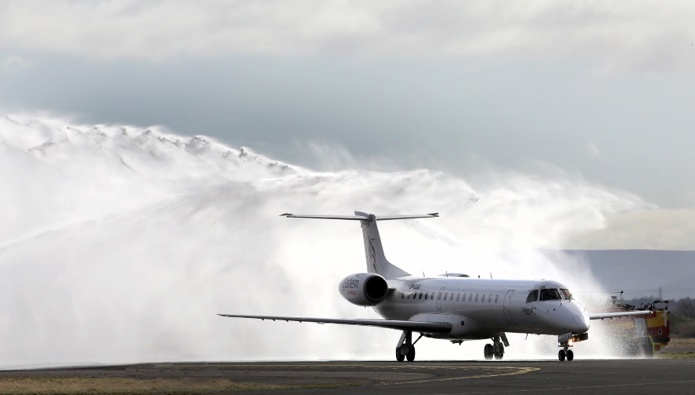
x=496, y=349
x=406, y=347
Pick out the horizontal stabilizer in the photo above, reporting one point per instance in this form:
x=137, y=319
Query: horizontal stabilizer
x=360, y=216
x=416, y=326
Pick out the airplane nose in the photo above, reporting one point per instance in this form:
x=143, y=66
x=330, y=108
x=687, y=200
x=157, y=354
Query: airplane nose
x=583, y=322
x=570, y=317
x=579, y=318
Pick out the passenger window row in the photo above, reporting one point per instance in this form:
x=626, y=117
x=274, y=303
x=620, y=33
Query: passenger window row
x=451, y=296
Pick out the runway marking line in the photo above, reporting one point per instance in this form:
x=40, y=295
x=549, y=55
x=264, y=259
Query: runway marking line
x=515, y=370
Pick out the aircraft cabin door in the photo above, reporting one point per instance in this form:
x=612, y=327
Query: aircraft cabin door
x=507, y=307
x=439, y=297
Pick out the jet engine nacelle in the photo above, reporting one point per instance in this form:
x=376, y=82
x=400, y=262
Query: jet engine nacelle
x=364, y=289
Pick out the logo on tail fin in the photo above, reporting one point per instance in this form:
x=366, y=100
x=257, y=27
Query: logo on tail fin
x=372, y=256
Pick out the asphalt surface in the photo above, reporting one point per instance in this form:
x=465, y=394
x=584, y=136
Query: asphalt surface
x=648, y=376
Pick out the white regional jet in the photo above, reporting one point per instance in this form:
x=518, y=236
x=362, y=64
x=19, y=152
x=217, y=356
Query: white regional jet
x=454, y=307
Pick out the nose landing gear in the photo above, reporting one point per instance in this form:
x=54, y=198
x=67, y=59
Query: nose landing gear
x=565, y=353
x=565, y=342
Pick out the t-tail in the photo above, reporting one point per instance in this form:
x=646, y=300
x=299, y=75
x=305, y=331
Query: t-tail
x=373, y=249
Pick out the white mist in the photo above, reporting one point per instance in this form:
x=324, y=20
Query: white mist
x=120, y=244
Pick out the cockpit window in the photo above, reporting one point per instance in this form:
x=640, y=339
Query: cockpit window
x=532, y=296
x=550, y=294
x=566, y=294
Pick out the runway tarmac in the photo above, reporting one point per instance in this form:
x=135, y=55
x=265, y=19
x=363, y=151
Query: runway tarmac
x=648, y=376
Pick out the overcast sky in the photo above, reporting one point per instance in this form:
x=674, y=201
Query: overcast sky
x=602, y=89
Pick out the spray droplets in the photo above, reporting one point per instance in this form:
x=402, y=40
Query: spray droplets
x=120, y=244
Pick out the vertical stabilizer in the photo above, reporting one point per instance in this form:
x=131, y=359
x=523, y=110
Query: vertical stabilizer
x=374, y=250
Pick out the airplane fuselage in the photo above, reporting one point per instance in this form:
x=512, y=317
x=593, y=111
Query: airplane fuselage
x=482, y=308
x=453, y=307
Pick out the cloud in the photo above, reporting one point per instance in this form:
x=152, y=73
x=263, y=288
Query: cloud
x=593, y=149
x=661, y=229
x=14, y=64
x=620, y=35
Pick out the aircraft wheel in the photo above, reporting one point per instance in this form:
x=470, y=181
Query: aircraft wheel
x=488, y=351
x=647, y=347
x=411, y=354
x=498, y=350
x=570, y=355
x=561, y=355
x=399, y=356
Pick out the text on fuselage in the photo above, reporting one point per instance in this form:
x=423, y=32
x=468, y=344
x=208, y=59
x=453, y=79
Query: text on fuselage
x=351, y=283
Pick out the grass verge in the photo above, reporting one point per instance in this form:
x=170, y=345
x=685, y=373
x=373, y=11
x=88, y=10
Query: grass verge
x=125, y=386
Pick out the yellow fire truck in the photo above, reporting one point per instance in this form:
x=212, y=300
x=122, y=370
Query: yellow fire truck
x=641, y=335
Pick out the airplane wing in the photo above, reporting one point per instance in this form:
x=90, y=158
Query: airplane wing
x=603, y=316
x=416, y=326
